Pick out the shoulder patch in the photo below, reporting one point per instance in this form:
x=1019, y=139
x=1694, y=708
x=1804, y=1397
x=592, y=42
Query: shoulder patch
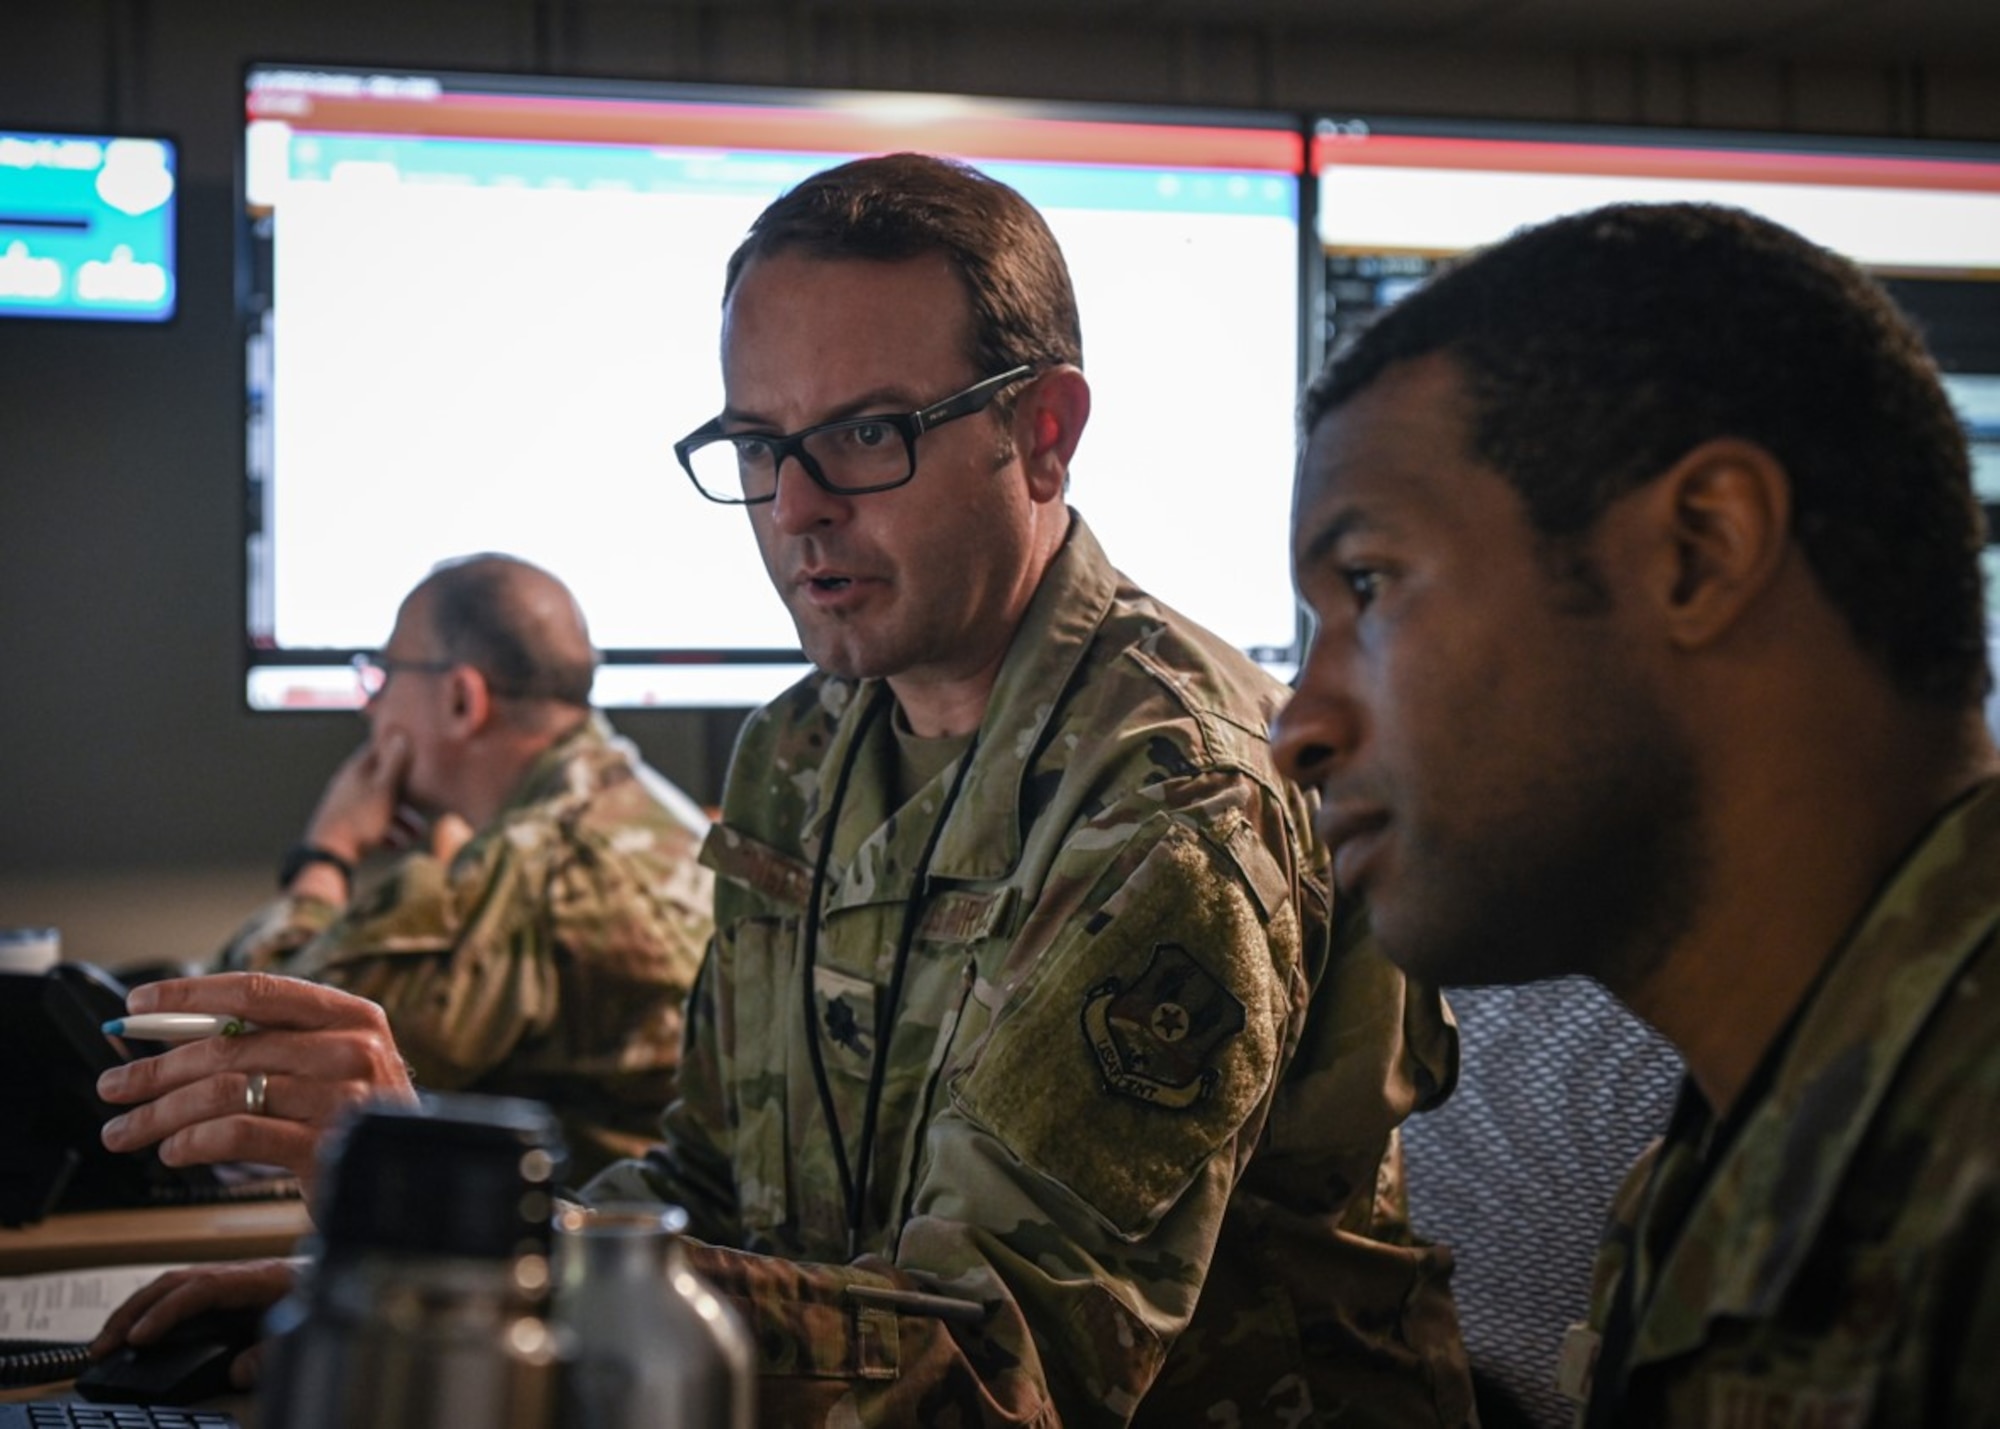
x=1142, y=1039
x=1157, y=1038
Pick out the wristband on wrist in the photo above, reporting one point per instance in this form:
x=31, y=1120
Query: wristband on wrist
x=299, y=855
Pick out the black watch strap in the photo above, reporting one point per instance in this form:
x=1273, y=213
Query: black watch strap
x=299, y=855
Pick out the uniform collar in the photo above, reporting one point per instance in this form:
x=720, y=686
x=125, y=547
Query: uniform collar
x=572, y=765
x=982, y=838
x=1761, y=1211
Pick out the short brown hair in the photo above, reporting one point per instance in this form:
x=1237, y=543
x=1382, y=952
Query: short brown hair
x=900, y=206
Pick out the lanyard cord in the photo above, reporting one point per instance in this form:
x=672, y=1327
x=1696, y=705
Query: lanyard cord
x=854, y=1180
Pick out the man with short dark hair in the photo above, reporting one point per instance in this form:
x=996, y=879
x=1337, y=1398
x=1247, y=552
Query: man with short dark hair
x=1003, y=1062
x=542, y=940
x=1645, y=567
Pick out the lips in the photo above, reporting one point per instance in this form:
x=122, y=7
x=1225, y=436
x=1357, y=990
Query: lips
x=1352, y=835
x=830, y=589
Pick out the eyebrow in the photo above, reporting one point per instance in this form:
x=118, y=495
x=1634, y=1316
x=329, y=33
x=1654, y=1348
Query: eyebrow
x=1342, y=525
x=890, y=397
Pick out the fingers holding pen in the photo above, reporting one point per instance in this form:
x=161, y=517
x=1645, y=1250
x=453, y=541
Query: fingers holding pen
x=266, y=1095
x=271, y=1001
x=224, y=1115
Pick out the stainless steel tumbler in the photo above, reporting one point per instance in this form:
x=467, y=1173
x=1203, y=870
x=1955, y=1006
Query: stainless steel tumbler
x=426, y=1303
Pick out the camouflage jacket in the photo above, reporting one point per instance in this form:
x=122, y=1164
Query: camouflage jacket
x=1840, y=1267
x=551, y=959
x=1102, y=1096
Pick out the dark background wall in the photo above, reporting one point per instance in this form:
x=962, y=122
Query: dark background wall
x=144, y=806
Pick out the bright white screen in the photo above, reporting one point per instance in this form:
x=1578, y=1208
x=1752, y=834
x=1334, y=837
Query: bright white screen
x=478, y=344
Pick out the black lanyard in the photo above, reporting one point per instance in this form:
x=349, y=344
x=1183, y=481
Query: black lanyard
x=854, y=1180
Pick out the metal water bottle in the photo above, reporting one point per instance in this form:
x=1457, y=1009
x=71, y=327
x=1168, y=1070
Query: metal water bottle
x=653, y=1346
x=425, y=1305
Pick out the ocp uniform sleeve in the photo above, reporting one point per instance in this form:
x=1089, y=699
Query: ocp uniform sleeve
x=691, y=1166
x=1074, y=1178
x=458, y=956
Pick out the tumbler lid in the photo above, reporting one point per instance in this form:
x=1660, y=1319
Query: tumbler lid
x=460, y=1176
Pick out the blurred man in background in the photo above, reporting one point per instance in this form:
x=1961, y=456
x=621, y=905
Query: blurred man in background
x=541, y=938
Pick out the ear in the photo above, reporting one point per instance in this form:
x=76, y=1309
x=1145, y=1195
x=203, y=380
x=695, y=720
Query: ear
x=469, y=703
x=1725, y=513
x=1048, y=421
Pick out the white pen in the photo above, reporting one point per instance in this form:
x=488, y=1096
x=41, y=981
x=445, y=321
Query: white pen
x=177, y=1026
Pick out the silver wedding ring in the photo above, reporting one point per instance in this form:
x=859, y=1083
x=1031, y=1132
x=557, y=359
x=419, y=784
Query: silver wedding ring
x=253, y=1093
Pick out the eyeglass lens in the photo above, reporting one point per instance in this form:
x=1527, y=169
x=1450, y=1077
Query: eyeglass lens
x=848, y=456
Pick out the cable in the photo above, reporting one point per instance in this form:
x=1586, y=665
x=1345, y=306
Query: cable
x=26, y=1362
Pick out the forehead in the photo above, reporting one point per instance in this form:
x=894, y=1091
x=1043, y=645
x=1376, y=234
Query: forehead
x=412, y=630
x=1397, y=455
x=797, y=324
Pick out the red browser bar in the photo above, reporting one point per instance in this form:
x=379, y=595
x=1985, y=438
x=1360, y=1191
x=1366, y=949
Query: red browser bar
x=861, y=126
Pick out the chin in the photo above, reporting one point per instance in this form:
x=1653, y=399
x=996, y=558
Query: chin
x=842, y=664
x=1429, y=953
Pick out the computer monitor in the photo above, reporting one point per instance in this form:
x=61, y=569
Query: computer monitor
x=481, y=308
x=87, y=226
x=1395, y=197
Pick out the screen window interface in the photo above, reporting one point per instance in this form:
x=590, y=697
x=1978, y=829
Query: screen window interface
x=480, y=312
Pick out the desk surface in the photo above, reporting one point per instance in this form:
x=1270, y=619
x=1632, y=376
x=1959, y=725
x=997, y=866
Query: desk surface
x=227, y=1230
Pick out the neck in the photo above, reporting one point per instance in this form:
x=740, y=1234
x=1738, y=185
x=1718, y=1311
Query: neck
x=942, y=709
x=938, y=704
x=1801, y=853
x=492, y=778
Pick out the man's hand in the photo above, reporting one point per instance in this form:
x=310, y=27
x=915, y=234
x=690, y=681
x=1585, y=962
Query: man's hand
x=358, y=812
x=159, y=1305
x=321, y=1053
x=449, y=834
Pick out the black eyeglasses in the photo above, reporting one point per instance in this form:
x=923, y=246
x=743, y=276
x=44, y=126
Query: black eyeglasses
x=851, y=457
x=373, y=671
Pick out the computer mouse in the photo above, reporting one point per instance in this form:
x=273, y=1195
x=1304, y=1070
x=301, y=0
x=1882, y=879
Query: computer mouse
x=188, y=1364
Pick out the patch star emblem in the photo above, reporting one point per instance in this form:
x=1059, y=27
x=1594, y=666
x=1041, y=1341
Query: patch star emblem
x=1154, y=1040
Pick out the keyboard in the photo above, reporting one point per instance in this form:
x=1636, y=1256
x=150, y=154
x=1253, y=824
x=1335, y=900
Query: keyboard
x=65, y=1414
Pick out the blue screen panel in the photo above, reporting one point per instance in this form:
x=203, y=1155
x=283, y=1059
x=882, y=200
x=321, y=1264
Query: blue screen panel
x=86, y=227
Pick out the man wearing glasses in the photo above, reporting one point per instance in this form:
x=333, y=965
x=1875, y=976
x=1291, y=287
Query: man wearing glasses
x=541, y=938
x=1001, y=1062
x=1000, y=1101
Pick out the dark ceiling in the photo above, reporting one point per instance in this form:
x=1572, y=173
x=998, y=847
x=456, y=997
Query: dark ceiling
x=1915, y=30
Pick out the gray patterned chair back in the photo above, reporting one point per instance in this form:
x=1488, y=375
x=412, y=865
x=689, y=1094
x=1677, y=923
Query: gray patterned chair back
x=1560, y=1089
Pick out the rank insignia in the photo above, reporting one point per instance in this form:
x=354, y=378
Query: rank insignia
x=1154, y=1039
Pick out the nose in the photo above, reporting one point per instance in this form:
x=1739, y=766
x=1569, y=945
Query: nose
x=1317, y=729
x=801, y=503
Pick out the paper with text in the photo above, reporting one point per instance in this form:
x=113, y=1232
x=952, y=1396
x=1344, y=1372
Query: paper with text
x=68, y=1305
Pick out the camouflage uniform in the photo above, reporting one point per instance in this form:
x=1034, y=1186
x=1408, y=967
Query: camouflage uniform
x=1102, y=1094
x=551, y=958
x=1841, y=1266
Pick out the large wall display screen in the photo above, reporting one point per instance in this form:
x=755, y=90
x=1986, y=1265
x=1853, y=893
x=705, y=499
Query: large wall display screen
x=480, y=309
